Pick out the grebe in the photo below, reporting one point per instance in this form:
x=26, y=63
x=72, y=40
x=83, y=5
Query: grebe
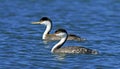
x=46, y=36
x=70, y=49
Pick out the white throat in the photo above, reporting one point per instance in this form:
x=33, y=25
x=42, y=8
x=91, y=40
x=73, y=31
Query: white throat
x=59, y=44
x=48, y=28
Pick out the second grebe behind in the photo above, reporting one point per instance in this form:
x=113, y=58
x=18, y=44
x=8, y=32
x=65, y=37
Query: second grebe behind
x=46, y=36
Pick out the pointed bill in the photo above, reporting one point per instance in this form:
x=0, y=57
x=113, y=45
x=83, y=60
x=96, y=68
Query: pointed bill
x=36, y=22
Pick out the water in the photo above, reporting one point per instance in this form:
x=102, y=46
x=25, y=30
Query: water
x=21, y=46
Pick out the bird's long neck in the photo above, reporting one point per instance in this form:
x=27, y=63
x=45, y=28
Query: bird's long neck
x=47, y=30
x=59, y=44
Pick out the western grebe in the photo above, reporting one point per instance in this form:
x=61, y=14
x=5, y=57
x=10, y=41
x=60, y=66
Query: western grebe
x=70, y=49
x=46, y=36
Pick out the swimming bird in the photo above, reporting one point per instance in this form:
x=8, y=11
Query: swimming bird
x=46, y=36
x=57, y=48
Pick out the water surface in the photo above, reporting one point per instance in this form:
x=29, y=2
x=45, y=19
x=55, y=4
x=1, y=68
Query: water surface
x=21, y=46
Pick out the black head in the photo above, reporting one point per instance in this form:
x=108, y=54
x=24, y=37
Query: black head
x=45, y=19
x=60, y=31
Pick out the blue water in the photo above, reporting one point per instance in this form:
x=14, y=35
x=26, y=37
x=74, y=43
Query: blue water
x=21, y=46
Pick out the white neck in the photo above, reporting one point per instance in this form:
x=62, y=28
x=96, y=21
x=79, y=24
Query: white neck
x=48, y=28
x=59, y=44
